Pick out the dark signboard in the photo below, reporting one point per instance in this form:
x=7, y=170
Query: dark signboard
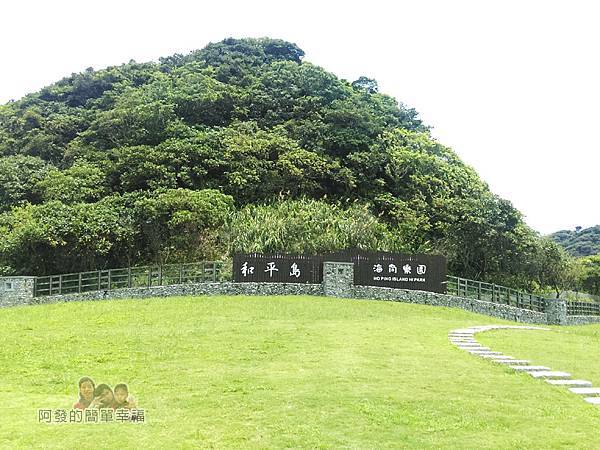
x=416, y=272
x=395, y=270
x=277, y=268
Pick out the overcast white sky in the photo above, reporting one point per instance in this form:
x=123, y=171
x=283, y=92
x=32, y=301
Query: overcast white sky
x=512, y=86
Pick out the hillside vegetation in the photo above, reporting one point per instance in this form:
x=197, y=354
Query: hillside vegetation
x=242, y=146
x=584, y=244
x=579, y=242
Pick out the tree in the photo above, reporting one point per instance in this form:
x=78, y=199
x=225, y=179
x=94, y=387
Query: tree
x=365, y=84
x=590, y=278
x=57, y=238
x=19, y=176
x=83, y=182
x=555, y=267
x=182, y=225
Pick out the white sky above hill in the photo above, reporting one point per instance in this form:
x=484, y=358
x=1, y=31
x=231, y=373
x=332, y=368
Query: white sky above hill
x=512, y=86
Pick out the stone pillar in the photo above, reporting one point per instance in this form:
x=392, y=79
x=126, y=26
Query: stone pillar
x=556, y=311
x=338, y=279
x=16, y=291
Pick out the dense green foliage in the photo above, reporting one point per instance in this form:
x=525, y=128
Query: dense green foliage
x=310, y=226
x=579, y=242
x=241, y=146
x=165, y=226
x=589, y=274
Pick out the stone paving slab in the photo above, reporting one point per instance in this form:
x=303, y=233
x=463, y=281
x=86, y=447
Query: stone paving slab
x=581, y=383
x=530, y=368
x=512, y=361
x=485, y=352
x=476, y=351
x=585, y=390
x=593, y=400
x=550, y=374
x=496, y=357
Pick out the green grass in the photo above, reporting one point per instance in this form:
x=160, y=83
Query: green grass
x=570, y=349
x=295, y=372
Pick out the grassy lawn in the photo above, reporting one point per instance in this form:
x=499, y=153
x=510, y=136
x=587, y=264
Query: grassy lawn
x=570, y=349
x=297, y=372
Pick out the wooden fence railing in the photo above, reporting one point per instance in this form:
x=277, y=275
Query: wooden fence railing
x=583, y=309
x=146, y=276
x=211, y=271
x=461, y=287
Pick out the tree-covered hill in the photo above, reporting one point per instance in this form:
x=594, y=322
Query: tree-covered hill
x=579, y=242
x=242, y=145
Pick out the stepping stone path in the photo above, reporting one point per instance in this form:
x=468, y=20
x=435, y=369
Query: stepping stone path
x=464, y=339
x=550, y=374
x=580, y=383
x=512, y=362
x=529, y=368
x=585, y=391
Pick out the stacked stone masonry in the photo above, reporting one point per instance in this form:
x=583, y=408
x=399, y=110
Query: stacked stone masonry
x=16, y=290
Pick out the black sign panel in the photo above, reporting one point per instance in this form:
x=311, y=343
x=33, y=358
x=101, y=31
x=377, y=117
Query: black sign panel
x=416, y=272
x=395, y=270
x=277, y=268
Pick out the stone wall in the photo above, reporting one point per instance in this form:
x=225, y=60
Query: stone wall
x=338, y=280
x=224, y=288
x=430, y=298
x=581, y=320
x=16, y=290
x=332, y=289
